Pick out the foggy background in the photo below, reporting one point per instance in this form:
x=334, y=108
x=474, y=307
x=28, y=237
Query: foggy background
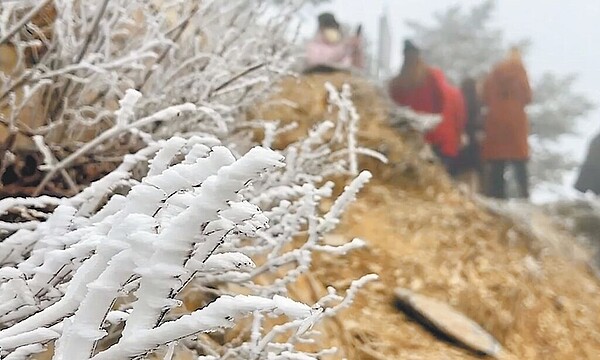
x=564, y=38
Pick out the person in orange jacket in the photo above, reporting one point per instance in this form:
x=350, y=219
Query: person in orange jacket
x=425, y=89
x=506, y=93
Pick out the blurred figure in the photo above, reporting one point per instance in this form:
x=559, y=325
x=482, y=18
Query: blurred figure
x=330, y=51
x=589, y=175
x=455, y=110
x=506, y=93
x=467, y=166
x=425, y=89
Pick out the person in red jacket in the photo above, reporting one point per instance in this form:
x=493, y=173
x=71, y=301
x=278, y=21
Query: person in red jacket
x=425, y=89
x=456, y=118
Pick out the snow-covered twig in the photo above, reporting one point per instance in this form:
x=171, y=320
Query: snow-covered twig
x=191, y=206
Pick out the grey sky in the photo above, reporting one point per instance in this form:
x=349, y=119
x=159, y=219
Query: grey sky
x=565, y=37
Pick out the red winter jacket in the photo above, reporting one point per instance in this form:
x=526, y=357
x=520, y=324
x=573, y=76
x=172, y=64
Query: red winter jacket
x=454, y=121
x=436, y=96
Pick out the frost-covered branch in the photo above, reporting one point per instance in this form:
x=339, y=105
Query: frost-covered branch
x=194, y=204
x=221, y=57
x=219, y=314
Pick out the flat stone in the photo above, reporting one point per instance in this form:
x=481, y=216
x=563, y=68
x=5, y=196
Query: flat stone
x=448, y=321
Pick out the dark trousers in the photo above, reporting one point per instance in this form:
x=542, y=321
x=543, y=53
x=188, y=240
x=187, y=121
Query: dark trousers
x=496, y=183
x=446, y=161
x=323, y=69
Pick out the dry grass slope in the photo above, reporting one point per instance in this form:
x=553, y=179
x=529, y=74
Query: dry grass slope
x=425, y=235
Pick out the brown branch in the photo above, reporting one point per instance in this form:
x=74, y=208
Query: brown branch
x=17, y=84
x=93, y=30
x=59, y=103
x=7, y=147
x=27, y=18
x=26, y=132
x=106, y=135
x=26, y=77
x=51, y=160
x=237, y=76
x=181, y=28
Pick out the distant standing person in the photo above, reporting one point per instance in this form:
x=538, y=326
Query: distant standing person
x=330, y=50
x=506, y=93
x=467, y=166
x=589, y=175
x=425, y=89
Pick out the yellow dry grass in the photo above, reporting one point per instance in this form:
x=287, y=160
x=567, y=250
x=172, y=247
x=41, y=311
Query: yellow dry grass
x=425, y=235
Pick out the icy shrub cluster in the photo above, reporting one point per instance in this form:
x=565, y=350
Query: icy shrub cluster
x=67, y=63
x=194, y=210
x=192, y=220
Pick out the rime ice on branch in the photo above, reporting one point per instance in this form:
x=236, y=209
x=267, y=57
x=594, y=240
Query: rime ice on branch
x=187, y=219
x=190, y=209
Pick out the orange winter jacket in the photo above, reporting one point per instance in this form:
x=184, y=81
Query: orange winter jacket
x=506, y=93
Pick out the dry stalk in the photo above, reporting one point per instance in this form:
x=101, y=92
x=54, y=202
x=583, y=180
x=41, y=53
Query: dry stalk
x=33, y=12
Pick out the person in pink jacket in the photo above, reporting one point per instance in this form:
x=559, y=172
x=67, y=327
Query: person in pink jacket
x=329, y=51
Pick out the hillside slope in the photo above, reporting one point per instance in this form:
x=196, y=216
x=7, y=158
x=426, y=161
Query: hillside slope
x=536, y=295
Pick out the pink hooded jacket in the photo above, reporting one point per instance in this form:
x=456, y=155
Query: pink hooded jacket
x=321, y=52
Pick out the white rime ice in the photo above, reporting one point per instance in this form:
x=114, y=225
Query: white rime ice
x=179, y=225
x=199, y=208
